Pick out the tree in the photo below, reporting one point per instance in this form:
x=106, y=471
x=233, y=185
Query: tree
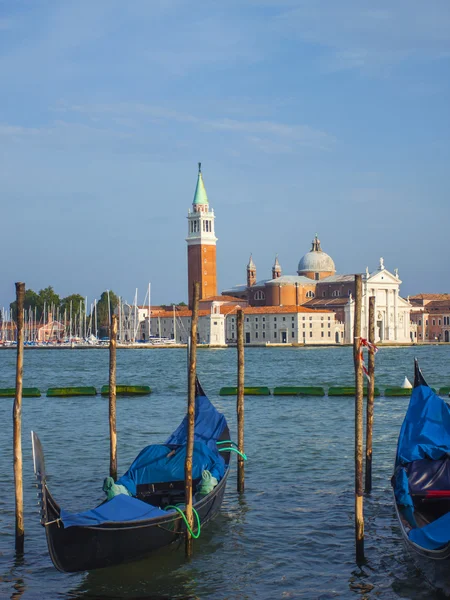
x=77, y=302
x=49, y=299
x=31, y=300
x=102, y=307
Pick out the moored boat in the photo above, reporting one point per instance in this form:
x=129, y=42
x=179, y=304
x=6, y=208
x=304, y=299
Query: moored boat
x=421, y=482
x=148, y=512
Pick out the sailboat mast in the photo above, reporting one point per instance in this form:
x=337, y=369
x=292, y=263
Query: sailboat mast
x=149, y=311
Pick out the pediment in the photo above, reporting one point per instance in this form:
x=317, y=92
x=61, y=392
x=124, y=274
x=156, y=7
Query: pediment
x=383, y=277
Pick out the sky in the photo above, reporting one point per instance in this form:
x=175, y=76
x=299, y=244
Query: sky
x=308, y=116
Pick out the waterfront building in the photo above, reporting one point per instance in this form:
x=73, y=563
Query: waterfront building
x=316, y=286
x=201, y=244
x=431, y=315
x=262, y=325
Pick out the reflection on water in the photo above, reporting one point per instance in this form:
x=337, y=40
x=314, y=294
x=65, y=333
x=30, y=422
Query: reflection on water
x=291, y=534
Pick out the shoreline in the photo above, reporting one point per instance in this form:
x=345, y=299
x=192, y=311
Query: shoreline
x=210, y=346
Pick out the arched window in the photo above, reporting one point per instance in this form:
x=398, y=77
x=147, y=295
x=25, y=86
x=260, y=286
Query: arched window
x=259, y=295
x=310, y=294
x=336, y=293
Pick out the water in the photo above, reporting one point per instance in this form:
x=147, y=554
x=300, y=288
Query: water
x=290, y=536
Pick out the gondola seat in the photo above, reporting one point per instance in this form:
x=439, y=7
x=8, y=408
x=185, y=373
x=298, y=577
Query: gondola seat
x=429, y=485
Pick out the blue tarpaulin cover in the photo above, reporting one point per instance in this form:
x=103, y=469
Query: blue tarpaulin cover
x=434, y=535
x=209, y=424
x=157, y=464
x=425, y=432
x=153, y=465
x=120, y=508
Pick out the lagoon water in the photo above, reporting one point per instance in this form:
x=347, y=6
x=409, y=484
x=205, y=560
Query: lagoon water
x=290, y=535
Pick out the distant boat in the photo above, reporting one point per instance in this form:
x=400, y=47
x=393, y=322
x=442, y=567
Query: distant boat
x=421, y=482
x=406, y=384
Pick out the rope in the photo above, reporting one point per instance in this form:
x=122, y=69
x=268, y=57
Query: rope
x=194, y=535
x=230, y=449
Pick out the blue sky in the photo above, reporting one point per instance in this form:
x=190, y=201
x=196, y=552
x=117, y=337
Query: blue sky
x=307, y=116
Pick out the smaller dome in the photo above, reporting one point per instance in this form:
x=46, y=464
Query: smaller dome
x=316, y=260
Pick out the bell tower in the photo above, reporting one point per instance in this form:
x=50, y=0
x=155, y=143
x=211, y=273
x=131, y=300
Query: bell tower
x=201, y=243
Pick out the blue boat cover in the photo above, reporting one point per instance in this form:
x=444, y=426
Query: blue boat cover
x=161, y=463
x=209, y=425
x=434, y=535
x=424, y=437
x=120, y=508
x=401, y=488
x=425, y=432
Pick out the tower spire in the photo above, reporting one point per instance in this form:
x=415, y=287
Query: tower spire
x=251, y=272
x=276, y=269
x=200, y=202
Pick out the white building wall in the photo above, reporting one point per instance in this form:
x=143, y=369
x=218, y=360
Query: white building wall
x=289, y=328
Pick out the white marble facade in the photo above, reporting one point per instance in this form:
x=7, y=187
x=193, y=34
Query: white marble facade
x=392, y=312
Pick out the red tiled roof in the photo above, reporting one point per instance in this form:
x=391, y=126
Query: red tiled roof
x=248, y=310
x=223, y=298
x=269, y=310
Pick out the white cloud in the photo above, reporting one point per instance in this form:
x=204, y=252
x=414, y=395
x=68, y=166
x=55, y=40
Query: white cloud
x=267, y=133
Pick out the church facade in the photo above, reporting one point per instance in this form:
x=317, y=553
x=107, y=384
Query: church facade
x=313, y=306
x=317, y=286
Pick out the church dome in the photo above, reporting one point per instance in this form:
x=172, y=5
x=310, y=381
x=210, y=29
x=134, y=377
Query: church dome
x=316, y=261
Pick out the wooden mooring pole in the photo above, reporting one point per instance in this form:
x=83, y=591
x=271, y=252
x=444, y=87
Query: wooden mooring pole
x=17, y=422
x=240, y=399
x=359, y=514
x=112, y=398
x=189, y=546
x=370, y=397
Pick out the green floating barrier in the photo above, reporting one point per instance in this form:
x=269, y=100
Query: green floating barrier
x=248, y=391
x=399, y=391
x=26, y=393
x=71, y=391
x=348, y=391
x=444, y=391
x=298, y=391
x=128, y=390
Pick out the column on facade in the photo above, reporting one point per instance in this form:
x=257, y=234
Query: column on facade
x=387, y=335
x=395, y=314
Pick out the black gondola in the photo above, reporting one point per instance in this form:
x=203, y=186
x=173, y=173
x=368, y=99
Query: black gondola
x=129, y=528
x=421, y=482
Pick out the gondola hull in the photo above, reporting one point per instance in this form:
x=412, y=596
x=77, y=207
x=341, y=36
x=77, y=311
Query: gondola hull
x=92, y=543
x=75, y=549
x=423, y=499
x=434, y=564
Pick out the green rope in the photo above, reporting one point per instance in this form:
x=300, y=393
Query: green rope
x=194, y=535
x=241, y=454
x=227, y=442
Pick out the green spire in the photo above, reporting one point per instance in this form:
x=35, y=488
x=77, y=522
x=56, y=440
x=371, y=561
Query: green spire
x=200, y=196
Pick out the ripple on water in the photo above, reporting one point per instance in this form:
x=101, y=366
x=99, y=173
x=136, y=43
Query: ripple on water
x=290, y=535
